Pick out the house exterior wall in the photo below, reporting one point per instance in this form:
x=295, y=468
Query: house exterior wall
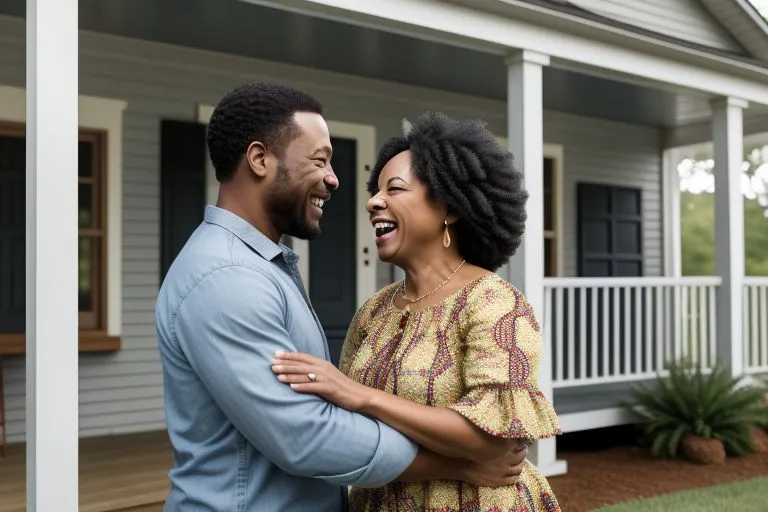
x=683, y=19
x=611, y=153
x=122, y=392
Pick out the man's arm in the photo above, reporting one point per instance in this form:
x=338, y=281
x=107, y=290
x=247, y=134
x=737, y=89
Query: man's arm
x=504, y=469
x=229, y=328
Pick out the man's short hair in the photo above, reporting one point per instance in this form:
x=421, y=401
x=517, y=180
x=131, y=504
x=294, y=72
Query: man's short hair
x=254, y=112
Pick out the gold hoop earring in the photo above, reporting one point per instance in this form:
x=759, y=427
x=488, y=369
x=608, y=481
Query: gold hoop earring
x=446, y=236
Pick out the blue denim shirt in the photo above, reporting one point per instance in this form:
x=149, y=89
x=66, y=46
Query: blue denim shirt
x=242, y=440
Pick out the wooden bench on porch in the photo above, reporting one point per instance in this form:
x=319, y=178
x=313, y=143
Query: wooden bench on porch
x=117, y=473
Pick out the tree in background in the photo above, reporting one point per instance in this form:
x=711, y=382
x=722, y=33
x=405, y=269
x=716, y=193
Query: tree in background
x=697, y=213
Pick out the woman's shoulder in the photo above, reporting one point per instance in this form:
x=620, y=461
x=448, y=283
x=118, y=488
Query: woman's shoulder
x=491, y=288
x=492, y=295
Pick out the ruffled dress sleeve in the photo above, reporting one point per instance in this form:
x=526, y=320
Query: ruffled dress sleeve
x=502, y=354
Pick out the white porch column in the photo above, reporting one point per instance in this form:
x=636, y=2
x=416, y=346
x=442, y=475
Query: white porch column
x=728, y=141
x=525, y=133
x=52, y=231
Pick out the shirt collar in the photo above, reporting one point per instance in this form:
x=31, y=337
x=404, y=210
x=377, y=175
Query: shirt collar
x=251, y=236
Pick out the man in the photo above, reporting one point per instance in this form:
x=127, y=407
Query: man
x=243, y=441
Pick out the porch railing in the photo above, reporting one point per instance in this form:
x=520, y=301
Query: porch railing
x=755, y=325
x=605, y=330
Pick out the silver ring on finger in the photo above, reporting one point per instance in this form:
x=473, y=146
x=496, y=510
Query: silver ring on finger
x=312, y=377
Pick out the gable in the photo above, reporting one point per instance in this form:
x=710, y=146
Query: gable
x=743, y=20
x=688, y=20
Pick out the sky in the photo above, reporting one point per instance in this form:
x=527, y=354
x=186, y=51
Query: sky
x=697, y=177
x=761, y=6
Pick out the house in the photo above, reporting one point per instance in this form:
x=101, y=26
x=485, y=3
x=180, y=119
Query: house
x=594, y=98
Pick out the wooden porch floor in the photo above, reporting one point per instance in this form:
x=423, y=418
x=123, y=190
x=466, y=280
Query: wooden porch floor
x=125, y=473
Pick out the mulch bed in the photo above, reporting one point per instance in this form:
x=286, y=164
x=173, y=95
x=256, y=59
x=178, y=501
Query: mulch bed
x=604, y=477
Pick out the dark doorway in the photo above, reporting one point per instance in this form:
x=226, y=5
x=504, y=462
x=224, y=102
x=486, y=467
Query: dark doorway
x=332, y=265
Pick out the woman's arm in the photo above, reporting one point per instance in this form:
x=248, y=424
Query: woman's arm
x=439, y=429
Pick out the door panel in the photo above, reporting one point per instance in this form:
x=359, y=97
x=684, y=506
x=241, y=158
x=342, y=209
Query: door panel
x=610, y=245
x=332, y=262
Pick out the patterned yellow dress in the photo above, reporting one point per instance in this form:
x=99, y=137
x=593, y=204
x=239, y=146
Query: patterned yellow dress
x=477, y=352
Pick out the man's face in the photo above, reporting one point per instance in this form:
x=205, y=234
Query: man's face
x=304, y=179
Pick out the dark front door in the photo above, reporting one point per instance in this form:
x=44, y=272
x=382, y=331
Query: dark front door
x=610, y=234
x=332, y=266
x=12, y=231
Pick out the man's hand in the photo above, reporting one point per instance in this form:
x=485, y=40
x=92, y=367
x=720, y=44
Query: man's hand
x=502, y=470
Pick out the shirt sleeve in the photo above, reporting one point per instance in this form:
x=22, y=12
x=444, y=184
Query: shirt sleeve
x=229, y=328
x=500, y=366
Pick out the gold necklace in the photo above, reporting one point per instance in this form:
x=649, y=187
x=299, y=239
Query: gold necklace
x=414, y=301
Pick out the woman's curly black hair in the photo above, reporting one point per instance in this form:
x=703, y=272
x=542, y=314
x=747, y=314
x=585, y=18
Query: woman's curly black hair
x=465, y=168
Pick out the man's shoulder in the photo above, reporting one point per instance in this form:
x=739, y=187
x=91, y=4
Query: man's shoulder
x=216, y=258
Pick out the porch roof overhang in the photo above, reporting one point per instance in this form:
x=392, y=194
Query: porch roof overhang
x=572, y=41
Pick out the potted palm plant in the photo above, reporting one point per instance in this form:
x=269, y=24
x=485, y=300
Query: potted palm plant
x=703, y=415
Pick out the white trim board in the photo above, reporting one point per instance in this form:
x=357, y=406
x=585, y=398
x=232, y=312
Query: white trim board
x=366, y=258
x=99, y=114
x=622, y=53
x=599, y=418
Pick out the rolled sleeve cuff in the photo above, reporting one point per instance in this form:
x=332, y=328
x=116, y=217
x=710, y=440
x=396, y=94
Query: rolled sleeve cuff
x=393, y=456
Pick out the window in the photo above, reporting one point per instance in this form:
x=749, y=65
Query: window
x=550, y=231
x=610, y=230
x=553, y=171
x=92, y=229
x=92, y=246
x=101, y=124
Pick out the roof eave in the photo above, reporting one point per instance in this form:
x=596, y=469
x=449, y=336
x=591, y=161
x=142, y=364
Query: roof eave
x=560, y=17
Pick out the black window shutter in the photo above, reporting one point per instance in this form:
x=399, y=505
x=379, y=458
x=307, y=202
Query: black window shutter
x=610, y=231
x=12, y=233
x=182, y=186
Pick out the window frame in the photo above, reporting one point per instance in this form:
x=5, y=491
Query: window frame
x=95, y=319
x=103, y=115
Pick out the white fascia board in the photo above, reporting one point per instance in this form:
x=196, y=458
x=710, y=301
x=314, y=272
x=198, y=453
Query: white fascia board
x=620, y=51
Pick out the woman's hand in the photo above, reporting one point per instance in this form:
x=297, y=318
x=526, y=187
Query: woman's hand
x=498, y=471
x=309, y=374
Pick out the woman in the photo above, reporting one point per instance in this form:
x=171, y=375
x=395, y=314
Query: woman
x=449, y=356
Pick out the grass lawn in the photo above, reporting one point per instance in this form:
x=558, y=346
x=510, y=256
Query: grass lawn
x=744, y=496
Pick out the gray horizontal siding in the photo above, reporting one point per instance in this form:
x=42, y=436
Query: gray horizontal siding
x=607, y=152
x=683, y=19
x=123, y=392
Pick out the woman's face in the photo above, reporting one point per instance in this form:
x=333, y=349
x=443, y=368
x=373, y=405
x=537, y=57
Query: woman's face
x=405, y=220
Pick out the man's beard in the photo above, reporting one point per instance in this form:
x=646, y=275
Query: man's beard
x=288, y=212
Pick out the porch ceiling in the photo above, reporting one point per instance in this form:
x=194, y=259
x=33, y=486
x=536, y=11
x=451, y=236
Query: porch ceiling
x=239, y=28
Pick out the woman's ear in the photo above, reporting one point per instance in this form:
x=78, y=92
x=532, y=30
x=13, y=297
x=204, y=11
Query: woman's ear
x=451, y=218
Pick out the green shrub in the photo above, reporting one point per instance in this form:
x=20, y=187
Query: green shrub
x=690, y=401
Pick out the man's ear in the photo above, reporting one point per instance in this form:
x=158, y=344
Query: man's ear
x=256, y=156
